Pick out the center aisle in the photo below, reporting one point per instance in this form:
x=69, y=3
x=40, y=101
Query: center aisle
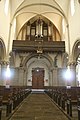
x=38, y=106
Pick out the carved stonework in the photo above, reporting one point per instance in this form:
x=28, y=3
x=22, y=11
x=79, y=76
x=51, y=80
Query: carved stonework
x=12, y=58
x=72, y=64
x=21, y=60
x=5, y=63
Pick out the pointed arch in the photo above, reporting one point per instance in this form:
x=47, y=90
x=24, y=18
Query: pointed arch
x=2, y=49
x=75, y=50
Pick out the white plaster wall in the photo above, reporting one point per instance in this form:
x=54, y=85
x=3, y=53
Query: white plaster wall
x=64, y=5
x=74, y=25
x=14, y=5
x=12, y=34
x=20, y=22
x=4, y=23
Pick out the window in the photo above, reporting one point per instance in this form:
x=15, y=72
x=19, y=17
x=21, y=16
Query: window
x=78, y=70
x=6, y=6
x=72, y=4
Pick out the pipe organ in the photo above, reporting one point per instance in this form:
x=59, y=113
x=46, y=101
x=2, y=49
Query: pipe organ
x=38, y=29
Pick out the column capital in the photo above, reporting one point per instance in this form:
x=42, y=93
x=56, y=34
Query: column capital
x=3, y=62
x=72, y=63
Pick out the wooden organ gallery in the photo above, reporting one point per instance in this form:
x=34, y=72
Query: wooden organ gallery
x=39, y=53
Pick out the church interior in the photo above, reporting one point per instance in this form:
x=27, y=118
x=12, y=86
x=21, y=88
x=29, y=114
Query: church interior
x=39, y=60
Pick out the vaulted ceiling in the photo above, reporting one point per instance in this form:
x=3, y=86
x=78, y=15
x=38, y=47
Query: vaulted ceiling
x=53, y=10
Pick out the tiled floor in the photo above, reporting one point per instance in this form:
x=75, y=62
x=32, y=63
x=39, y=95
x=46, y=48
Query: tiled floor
x=38, y=106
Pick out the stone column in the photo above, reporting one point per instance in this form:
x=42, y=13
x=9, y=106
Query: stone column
x=3, y=72
x=55, y=77
x=50, y=77
x=25, y=78
x=21, y=76
x=61, y=73
x=15, y=80
x=73, y=71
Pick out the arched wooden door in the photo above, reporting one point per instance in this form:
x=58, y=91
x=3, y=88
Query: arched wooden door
x=38, y=78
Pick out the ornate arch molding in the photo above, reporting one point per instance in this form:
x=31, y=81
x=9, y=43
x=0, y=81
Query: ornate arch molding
x=33, y=55
x=3, y=49
x=75, y=50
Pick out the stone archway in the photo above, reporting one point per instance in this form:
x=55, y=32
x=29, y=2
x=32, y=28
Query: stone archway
x=76, y=50
x=2, y=50
x=45, y=63
x=76, y=59
x=33, y=55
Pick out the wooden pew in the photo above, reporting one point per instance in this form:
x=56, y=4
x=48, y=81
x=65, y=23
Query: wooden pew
x=72, y=99
x=7, y=100
x=63, y=96
x=0, y=106
x=12, y=97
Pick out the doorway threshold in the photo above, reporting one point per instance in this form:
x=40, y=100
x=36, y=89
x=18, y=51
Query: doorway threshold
x=37, y=90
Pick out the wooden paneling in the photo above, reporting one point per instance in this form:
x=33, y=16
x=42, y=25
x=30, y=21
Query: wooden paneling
x=32, y=46
x=38, y=78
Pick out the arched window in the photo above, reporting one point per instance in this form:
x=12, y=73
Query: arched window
x=6, y=6
x=72, y=4
x=2, y=49
x=78, y=70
